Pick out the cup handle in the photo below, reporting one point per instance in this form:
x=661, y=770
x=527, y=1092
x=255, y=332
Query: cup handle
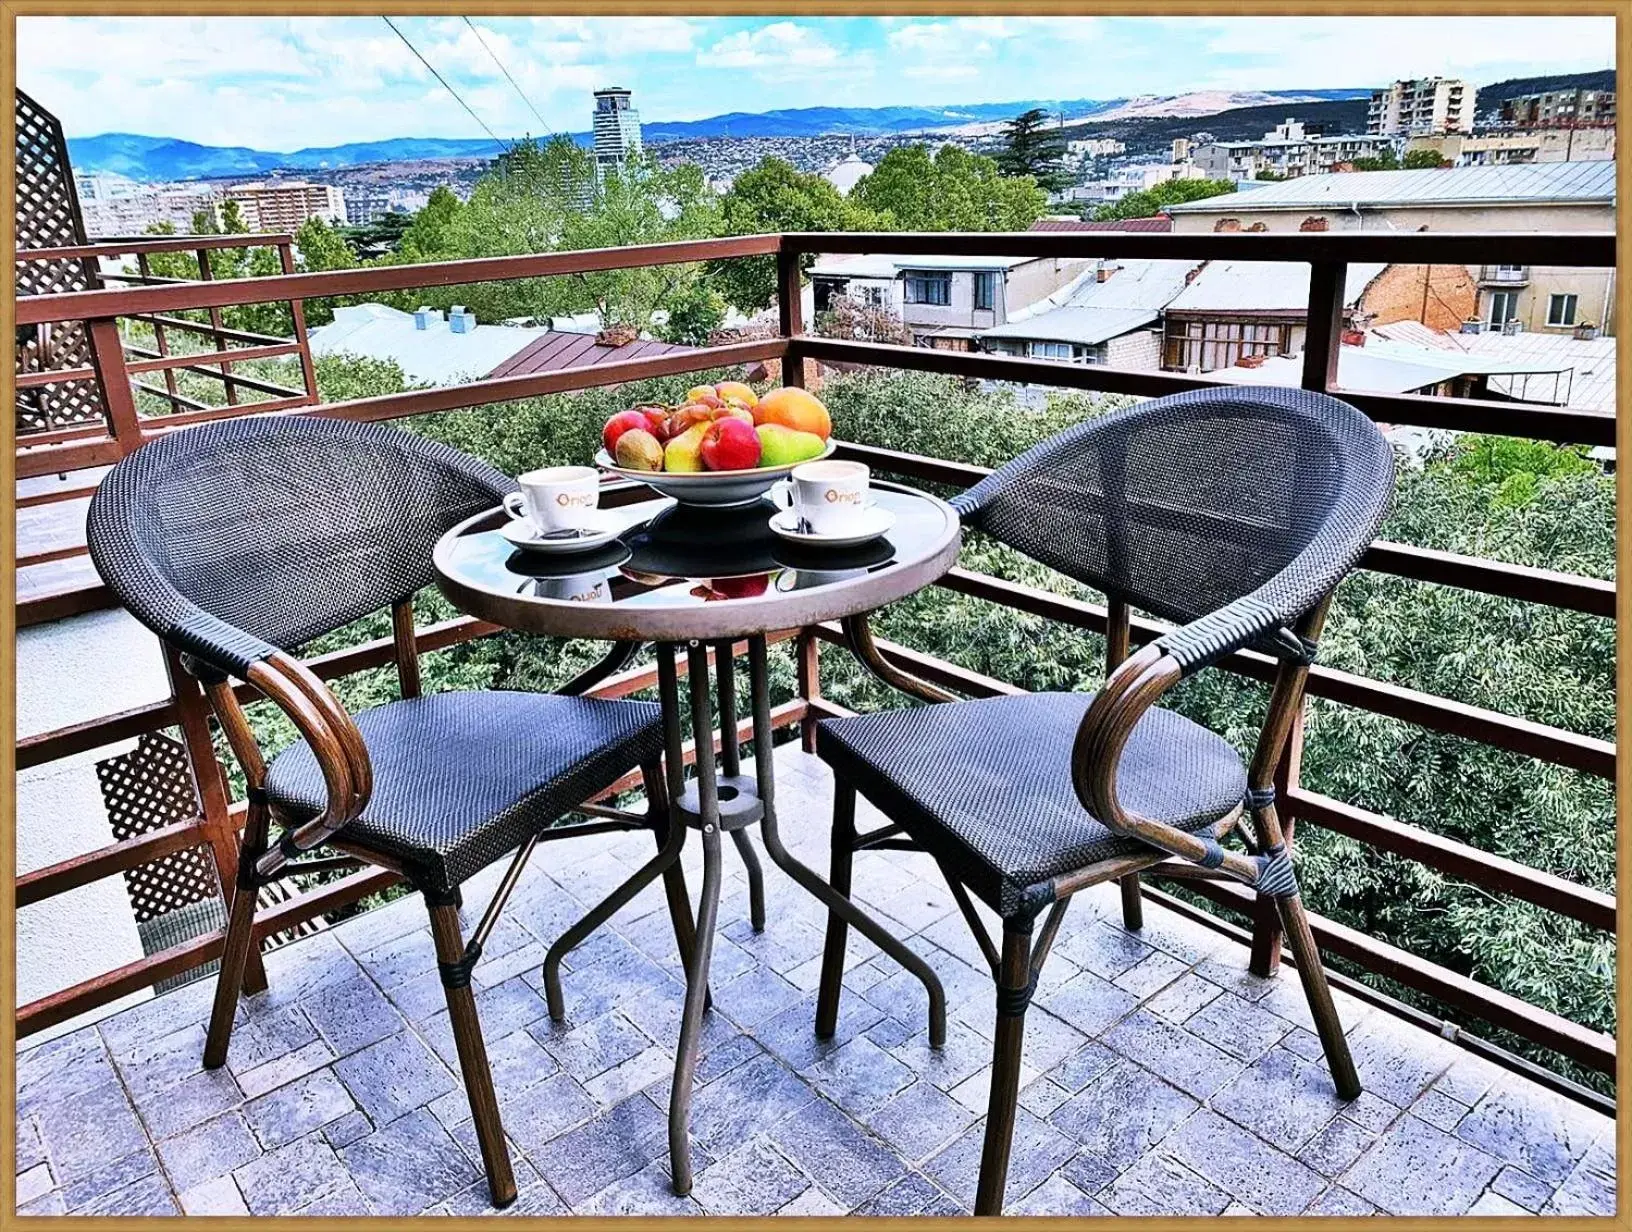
x=781, y=493
x=515, y=506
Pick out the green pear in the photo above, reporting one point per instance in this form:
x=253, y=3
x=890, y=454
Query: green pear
x=684, y=452
x=781, y=446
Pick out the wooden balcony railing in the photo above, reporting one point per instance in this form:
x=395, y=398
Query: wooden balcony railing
x=1327, y=254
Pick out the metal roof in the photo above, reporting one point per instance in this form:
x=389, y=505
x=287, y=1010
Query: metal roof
x=1087, y=311
x=1158, y=223
x=1584, y=183
x=1589, y=361
x=1263, y=286
x=1389, y=368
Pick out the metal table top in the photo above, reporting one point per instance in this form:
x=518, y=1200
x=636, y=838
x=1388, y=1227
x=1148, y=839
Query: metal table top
x=693, y=573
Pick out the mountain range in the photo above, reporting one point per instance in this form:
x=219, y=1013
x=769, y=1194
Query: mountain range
x=166, y=158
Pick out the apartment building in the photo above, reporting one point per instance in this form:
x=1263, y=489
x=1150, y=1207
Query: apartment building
x=1560, y=109
x=1572, y=196
x=1422, y=106
x=1125, y=180
x=282, y=205
x=133, y=212
x=616, y=128
x=1504, y=147
x=1286, y=152
x=944, y=301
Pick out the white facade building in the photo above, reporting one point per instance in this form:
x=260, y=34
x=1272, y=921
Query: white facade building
x=1421, y=107
x=616, y=127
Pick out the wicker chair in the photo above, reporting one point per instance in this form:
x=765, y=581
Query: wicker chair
x=1233, y=513
x=239, y=541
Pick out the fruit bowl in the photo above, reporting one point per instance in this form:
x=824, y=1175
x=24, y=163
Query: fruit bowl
x=714, y=488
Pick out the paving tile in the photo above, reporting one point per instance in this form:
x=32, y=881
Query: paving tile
x=190, y=1102
x=649, y=1192
x=1334, y=1149
x=510, y=1006
x=636, y=1074
x=1041, y=1097
x=148, y=1068
x=264, y=1031
x=394, y=1077
x=217, y=1197
x=46, y=1204
x=1282, y=1098
x=272, y=1075
x=292, y=1178
x=919, y=1120
x=1088, y=1172
x=1469, y=1077
x=754, y=1179
x=860, y=1077
x=1122, y=1114
x=610, y=1147
x=1159, y=1185
x=1183, y=997
x=1038, y=1151
x=1397, y=1061
x=88, y=1189
x=1083, y=1066
x=86, y=1129
x=352, y=1015
x=1439, y=1110
x=592, y=1047
x=1494, y=1204
x=212, y=1149
x=63, y=1068
x=1057, y=1196
x=813, y=1203
x=1270, y=1182
x=347, y=1129
x=476, y=1199
x=293, y=1111
x=963, y=1054
x=1240, y=1028
x=751, y=1099
x=33, y=1183
x=1188, y=1062
x=148, y=1196
x=1536, y=1130
x=1416, y=1169
x=1089, y=1002
x=540, y=1113
x=1105, y=949
x=1590, y=1187
x=1339, y=1201
x=851, y=1165
x=1522, y=1188
x=409, y=1165
x=753, y=998
x=975, y=1091
x=29, y=1149
x=791, y=1033
x=1371, y=1111
x=913, y=1194
x=1151, y=974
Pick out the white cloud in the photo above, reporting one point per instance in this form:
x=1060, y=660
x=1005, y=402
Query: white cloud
x=780, y=45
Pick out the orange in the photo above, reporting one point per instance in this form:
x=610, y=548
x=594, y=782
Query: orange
x=794, y=408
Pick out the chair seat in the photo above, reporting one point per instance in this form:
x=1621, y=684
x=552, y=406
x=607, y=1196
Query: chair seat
x=462, y=779
x=986, y=787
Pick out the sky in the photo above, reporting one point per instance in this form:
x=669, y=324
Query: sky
x=287, y=83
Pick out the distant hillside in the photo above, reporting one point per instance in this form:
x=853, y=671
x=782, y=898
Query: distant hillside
x=1152, y=134
x=160, y=158
x=1493, y=94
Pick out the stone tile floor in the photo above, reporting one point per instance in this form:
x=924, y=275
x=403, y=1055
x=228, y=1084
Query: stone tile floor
x=1161, y=1077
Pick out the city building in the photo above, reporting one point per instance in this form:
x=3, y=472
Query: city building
x=1576, y=143
x=944, y=301
x=366, y=202
x=1125, y=180
x=282, y=205
x=1560, y=109
x=1095, y=147
x=133, y=212
x=1425, y=105
x=1573, y=196
x=1109, y=314
x=616, y=127
x=1286, y=152
x=103, y=186
x=848, y=171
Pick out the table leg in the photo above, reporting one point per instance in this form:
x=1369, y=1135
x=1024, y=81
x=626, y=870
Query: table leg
x=835, y=902
x=708, y=808
x=725, y=671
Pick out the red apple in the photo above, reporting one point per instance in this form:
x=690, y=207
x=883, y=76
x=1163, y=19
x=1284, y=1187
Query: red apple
x=730, y=445
x=620, y=423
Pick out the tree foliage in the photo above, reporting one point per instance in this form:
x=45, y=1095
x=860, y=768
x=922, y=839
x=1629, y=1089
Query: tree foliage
x=1148, y=202
x=1034, y=147
x=952, y=190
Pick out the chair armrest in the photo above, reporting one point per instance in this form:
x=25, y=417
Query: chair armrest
x=348, y=775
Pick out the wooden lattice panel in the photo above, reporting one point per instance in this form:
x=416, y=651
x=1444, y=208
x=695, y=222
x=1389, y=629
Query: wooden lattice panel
x=47, y=211
x=150, y=787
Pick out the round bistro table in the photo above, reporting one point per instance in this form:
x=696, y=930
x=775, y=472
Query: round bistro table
x=692, y=578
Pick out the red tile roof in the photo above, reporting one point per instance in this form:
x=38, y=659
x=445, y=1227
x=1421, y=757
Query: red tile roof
x=560, y=349
x=1159, y=223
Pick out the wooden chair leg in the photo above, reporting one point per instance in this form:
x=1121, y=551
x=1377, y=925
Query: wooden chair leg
x=1013, y=997
x=1295, y=928
x=1133, y=904
x=838, y=931
x=228, y=985
x=467, y=1037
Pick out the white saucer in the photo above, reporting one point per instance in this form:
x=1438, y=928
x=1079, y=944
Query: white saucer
x=874, y=522
x=605, y=526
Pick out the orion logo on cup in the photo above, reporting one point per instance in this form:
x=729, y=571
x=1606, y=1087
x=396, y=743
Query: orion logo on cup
x=576, y=500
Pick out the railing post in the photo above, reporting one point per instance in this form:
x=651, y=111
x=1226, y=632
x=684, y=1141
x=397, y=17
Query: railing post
x=144, y=267
x=790, y=312
x=228, y=386
x=108, y=358
x=297, y=314
x=192, y=711
x=1323, y=339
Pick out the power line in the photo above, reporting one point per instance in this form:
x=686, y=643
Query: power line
x=495, y=58
x=444, y=81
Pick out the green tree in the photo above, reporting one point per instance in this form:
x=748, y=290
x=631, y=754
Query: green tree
x=321, y=246
x=772, y=197
x=1148, y=202
x=1386, y=161
x=1424, y=160
x=953, y=190
x=1033, y=147
x=428, y=236
x=695, y=311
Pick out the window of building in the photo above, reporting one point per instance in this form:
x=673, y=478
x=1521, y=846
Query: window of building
x=873, y=296
x=986, y=291
x=929, y=288
x=1561, y=310
x=1051, y=350
x=1504, y=306
x=1213, y=344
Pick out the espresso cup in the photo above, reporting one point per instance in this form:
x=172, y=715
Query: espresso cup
x=557, y=498
x=830, y=496
x=576, y=588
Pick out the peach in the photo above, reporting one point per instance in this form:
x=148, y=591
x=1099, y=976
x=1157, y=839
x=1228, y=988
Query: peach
x=794, y=408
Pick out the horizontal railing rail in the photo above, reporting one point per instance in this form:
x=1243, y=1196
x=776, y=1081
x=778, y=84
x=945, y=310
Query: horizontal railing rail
x=1327, y=254
x=131, y=245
